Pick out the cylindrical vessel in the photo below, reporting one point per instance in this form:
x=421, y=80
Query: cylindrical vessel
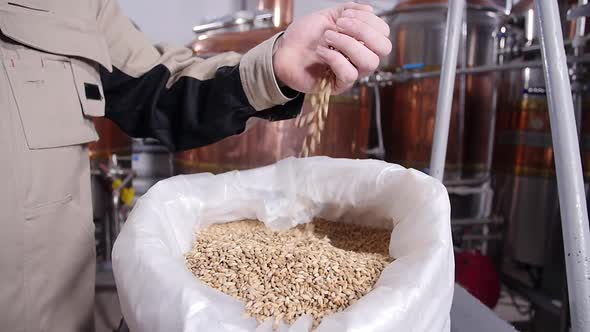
x=526, y=189
x=409, y=108
x=345, y=133
x=151, y=162
x=243, y=31
x=525, y=183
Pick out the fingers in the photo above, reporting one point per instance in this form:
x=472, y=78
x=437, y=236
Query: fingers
x=365, y=60
x=346, y=74
x=369, y=18
x=357, y=6
x=373, y=39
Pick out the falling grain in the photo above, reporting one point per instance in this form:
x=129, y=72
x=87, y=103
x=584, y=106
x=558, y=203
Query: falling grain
x=315, y=120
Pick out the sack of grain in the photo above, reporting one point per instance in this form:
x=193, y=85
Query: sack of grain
x=158, y=292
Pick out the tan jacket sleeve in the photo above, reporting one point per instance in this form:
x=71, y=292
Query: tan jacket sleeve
x=167, y=93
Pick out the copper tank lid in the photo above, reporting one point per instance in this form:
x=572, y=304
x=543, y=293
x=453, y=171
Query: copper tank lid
x=243, y=30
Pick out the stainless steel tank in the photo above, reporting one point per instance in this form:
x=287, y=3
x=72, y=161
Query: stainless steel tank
x=151, y=162
x=526, y=187
x=409, y=108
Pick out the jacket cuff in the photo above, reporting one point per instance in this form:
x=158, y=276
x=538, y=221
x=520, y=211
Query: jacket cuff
x=258, y=77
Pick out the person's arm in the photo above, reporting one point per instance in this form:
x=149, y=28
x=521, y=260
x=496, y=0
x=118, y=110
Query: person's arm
x=184, y=101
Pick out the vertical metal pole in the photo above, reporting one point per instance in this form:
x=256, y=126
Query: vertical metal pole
x=108, y=245
x=462, y=64
x=578, y=51
x=568, y=165
x=581, y=21
x=444, y=100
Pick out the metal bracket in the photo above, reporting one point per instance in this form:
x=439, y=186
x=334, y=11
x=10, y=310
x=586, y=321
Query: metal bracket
x=578, y=11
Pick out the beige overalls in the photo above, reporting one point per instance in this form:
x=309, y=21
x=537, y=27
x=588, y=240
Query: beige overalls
x=52, y=54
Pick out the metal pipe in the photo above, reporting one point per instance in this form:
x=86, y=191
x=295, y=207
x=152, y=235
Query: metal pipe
x=476, y=221
x=447, y=84
x=478, y=181
x=108, y=246
x=582, y=10
x=379, y=150
x=568, y=165
x=462, y=64
x=465, y=191
x=526, y=48
x=578, y=50
x=472, y=237
x=387, y=77
x=537, y=298
x=536, y=47
x=492, y=125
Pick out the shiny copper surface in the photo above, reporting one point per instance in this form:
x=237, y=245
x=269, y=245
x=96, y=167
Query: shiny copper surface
x=409, y=112
x=523, y=132
x=409, y=108
x=282, y=10
x=242, y=41
x=519, y=157
x=523, y=136
x=478, y=123
x=345, y=135
x=525, y=188
x=112, y=140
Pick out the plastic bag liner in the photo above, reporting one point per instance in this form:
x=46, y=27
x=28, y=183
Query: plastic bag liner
x=414, y=293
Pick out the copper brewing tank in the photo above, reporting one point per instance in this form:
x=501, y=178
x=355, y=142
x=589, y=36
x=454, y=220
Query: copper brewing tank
x=112, y=140
x=525, y=183
x=409, y=108
x=243, y=39
x=345, y=134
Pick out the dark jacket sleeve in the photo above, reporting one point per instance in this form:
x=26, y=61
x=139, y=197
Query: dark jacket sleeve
x=184, y=101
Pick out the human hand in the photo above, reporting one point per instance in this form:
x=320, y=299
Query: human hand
x=347, y=39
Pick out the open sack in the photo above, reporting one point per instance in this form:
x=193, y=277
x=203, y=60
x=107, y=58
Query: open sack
x=414, y=293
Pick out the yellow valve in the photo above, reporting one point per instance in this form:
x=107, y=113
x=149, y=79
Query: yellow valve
x=117, y=183
x=128, y=195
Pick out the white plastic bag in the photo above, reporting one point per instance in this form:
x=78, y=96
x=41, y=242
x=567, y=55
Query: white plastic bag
x=414, y=293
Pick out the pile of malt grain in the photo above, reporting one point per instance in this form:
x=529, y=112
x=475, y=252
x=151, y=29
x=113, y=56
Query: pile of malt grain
x=316, y=269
